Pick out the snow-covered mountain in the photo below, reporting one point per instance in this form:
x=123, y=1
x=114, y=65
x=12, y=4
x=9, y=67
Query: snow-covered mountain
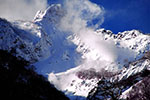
x=75, y=64
x=131, y=46
x=25, y=39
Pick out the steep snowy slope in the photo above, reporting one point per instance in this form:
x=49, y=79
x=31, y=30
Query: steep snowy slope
x=131, y=83
x=25, y=39
x=129, y=46
x=40, y=41
x=63, y=52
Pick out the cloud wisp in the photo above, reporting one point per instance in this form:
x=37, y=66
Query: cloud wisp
x=21, y=9
x=79, y=13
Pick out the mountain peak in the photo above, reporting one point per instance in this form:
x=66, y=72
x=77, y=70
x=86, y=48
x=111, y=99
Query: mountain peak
x=53, y=13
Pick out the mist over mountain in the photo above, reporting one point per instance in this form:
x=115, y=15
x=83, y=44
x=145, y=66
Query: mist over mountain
x=75, y=55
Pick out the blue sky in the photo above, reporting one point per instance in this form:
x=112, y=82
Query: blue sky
x=124, y=15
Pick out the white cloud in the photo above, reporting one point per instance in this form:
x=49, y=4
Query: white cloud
x=78, y=14
x=21, y=9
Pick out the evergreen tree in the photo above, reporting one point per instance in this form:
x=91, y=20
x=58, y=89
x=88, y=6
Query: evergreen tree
x=19, y=81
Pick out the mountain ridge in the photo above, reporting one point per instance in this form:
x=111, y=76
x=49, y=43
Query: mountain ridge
x=72, y=64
